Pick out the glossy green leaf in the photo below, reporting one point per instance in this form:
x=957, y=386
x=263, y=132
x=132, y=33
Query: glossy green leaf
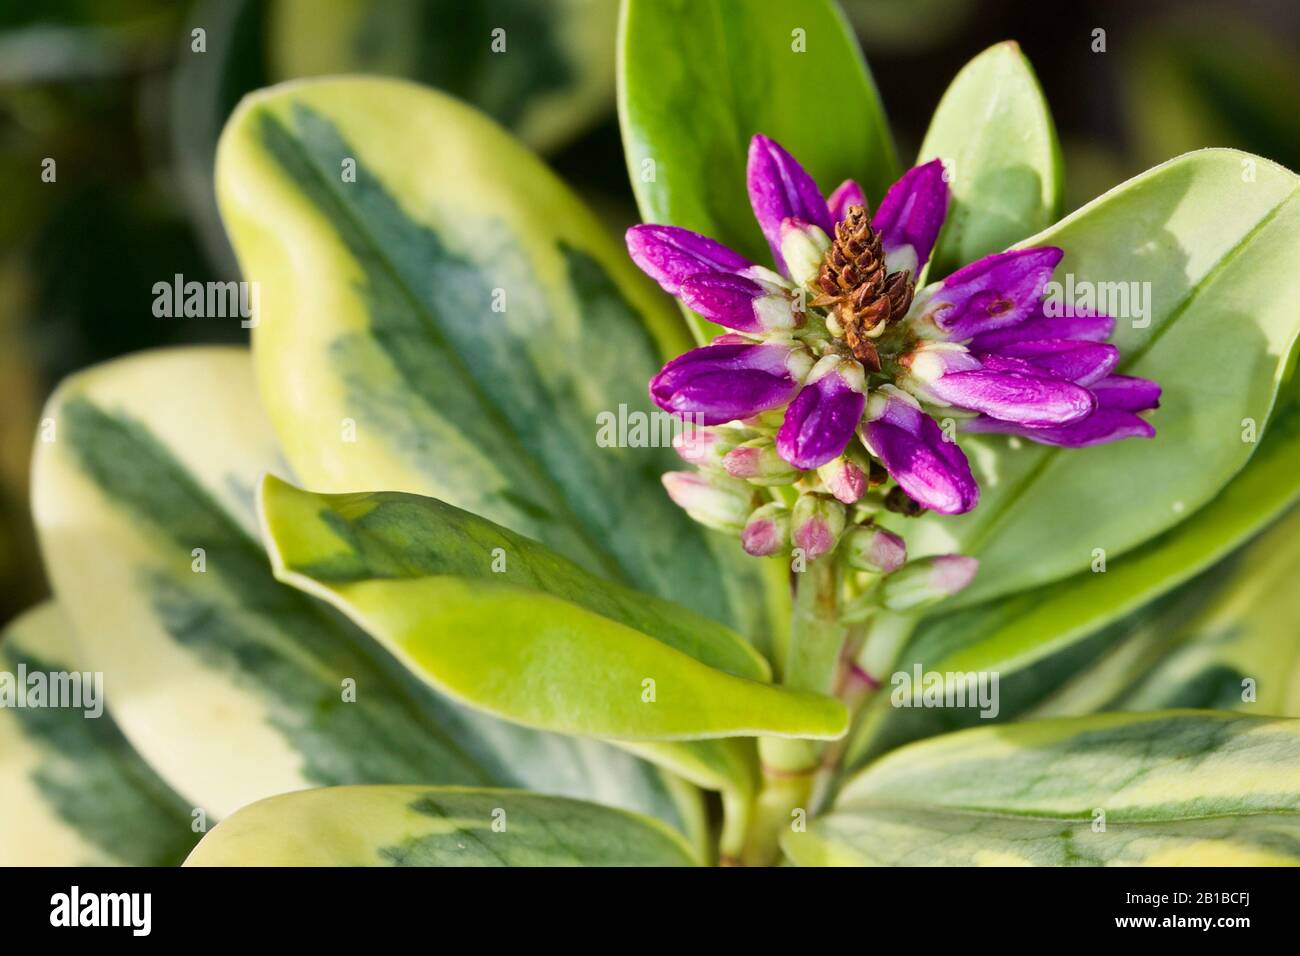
x=539, y=642
x=1229, y=642
x=698, y=78
x=436, y=826
x=454, y=323
x=72, y=791
x=994, y=132
x=1038, y=639
x=231, y=685
x=1163, y=789
x=1216, y=234
x=547, y=75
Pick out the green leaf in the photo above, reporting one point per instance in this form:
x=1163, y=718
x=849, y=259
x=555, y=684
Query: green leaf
x=994, y=132
x=1171, y=788
x=1037, y=639
x=698, y=78
x=540, y=643
x=454, y=323
x=1228, y=642
x=72, y=791
x=1216, y=234
x=436, y=826
x=231, y=685
x=547, y=76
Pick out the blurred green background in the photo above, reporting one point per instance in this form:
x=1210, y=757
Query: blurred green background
x=129, y=100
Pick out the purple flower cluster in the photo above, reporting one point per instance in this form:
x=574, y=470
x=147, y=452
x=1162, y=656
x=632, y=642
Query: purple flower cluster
x=836, y=367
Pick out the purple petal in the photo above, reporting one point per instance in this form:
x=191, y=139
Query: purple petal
x=847, y=194
x=779, y=188
x=1030, y=400
x=1127, y=393
x=911, y=215
x=721, y=383
x=820, y=422
x=736, y=302
x=1080, y=362
x=1071, y=325
x=1101, y=427
x=992, y=293
x=932, y=470
x=670, y=255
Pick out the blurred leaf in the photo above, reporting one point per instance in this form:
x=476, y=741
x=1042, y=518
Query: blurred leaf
x=436, y=826
x=546, y=76
x=1244, y=628
x=1170, y=788
x=233, y=686
x=1205, y=80
x=72, y=791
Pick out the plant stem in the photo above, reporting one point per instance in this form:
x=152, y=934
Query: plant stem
x=817, y=636
x=864, y=671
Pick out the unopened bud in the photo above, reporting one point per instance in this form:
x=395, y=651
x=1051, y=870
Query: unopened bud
x=803, y=247
x=757, y=461
x=705, y=447
x=927, y=581
x=816, y=524
x=872, y=548
x=768, y=531
x=844, y=479
x=713, y=500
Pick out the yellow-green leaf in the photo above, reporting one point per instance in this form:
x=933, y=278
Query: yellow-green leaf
x=439, y=314
x=72, y=790
x=231, y=685
x=500, y=623
x=436, y=826
x=1163, y=789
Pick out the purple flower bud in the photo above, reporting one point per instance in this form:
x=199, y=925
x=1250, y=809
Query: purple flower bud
x=1080, y=362
x=847, y=194
x=820, y=422
x=927, y=581
x=871, y=548
x=715, y=501
x=1080, y=326
x=757, y=461
x=1119, y=399
x=946, y=374
x=779, y=189
x=1127, y=393
x=767, y=531
x=929, y=468
x=844, y=479
x=816, y=525
x=910, y=217
x=722, y=383
x=738, y=302
x=671, y=255
x=992, y=293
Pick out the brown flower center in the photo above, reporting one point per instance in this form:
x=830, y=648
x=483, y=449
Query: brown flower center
x=856, y=288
